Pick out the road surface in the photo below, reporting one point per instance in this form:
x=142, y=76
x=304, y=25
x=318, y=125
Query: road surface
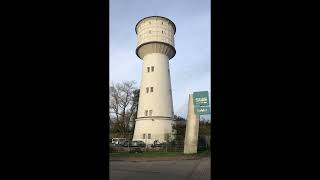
x=161, y=170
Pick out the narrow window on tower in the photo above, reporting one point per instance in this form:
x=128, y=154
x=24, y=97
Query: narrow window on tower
x=143, y=136
x=150, y=112
x=149, y=136
x=146, y=113
x=148, y=69
x=151, y=89
x=152, y=68
x=147, y=90
x=162, y=32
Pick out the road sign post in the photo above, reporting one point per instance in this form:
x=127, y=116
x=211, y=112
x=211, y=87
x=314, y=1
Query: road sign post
x=201, y=103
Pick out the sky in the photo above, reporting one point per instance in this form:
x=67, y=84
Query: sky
x=190, y=68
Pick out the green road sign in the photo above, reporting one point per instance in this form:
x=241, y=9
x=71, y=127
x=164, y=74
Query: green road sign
x=201, y=102
x=199, y=110
x=201, y=98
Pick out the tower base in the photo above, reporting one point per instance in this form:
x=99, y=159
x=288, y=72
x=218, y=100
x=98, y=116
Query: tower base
x=154, y=128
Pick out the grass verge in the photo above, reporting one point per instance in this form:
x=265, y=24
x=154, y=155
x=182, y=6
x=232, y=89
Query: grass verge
x=158, y=154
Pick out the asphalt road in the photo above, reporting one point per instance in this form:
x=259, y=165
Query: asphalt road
x=161, y=170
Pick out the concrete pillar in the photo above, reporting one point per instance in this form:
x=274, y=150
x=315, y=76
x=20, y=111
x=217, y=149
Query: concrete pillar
x=192, y=129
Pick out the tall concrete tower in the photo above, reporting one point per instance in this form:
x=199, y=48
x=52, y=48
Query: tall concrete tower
x=155, y=110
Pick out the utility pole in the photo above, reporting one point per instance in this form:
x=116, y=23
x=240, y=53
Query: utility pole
x=167, y=144
x=129, y=143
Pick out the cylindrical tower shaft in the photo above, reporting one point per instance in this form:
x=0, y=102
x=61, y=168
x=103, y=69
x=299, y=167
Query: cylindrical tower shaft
x=157, y=81
x=155, y=110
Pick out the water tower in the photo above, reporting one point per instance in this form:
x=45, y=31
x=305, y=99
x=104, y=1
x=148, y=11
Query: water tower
x=155, y=48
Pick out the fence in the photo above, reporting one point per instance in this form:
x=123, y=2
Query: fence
x=174, y=143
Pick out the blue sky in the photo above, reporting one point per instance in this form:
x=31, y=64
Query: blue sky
x=190, y=68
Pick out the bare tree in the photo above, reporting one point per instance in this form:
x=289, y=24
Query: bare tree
x=134, y=108
x=122, y=107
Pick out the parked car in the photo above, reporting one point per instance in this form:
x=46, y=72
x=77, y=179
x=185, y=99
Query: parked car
x=118, y=141
x=134, y=143
x=125, y=143
x=138, y=144
x=156, y=143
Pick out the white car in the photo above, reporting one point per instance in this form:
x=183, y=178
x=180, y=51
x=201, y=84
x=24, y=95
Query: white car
x=118, y=141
